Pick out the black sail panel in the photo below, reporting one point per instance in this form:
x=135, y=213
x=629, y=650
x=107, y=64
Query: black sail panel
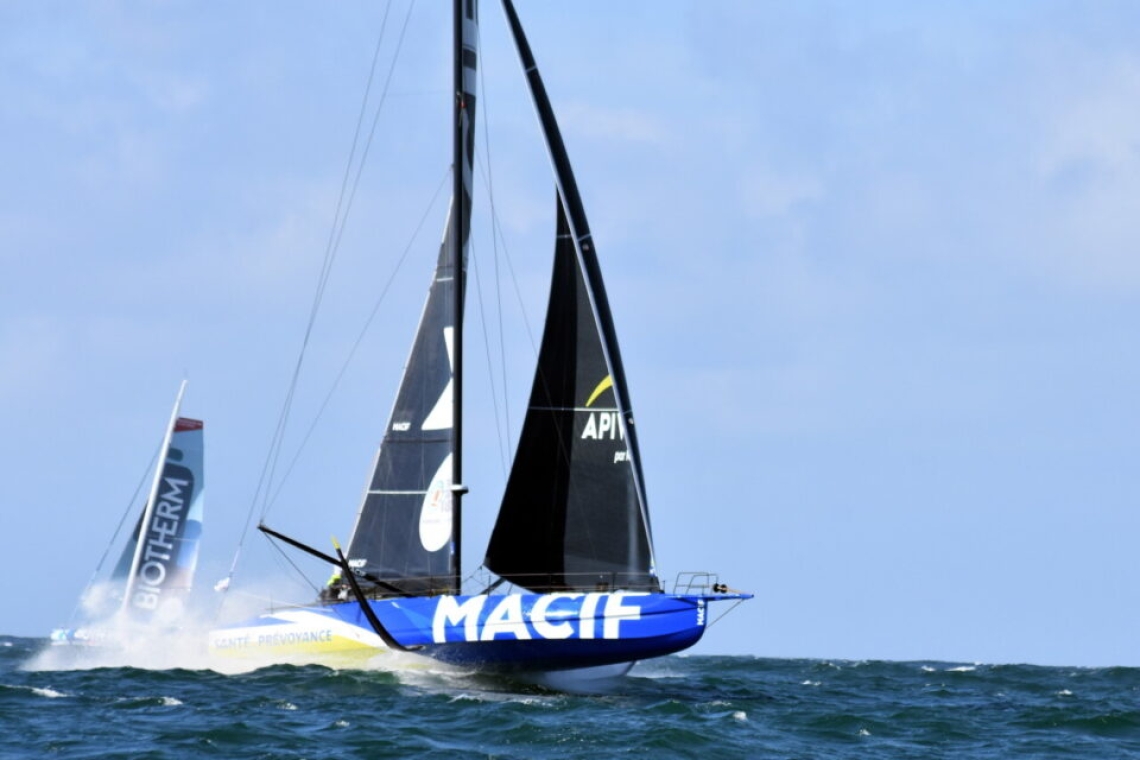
x=571, y=517
x=403, y=533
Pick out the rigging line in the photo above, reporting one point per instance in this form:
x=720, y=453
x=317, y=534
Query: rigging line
x=360, y=336
x=539, y=375
x=529, y=332
x=340, y=215
x=326, y=267
x=490, y=367
x=115, y=536
x=330, y=255
x=356, y=134
x=518, y=291
x=489, y=181
x=375, y=122
x=497, y=235
x=331, y=247
x=719, y=617
x=285, y=556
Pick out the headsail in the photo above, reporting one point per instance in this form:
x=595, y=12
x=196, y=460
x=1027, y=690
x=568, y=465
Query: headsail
x=574, y=514
x=407, y=529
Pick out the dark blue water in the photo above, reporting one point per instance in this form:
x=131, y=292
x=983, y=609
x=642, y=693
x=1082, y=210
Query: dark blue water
x=700, y=707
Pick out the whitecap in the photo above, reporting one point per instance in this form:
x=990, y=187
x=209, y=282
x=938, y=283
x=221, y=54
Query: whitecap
x=50, y=693
x=740, y=715
x=540, y=701
x=1064, y=693
x=962, y=669
x=341, y=724
x=812, y=683
x=864, y=732
x=466, y=698
x=288, y=706
x=654, y=671
x=171, y=702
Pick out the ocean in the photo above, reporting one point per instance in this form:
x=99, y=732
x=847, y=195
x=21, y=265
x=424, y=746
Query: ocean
x=675, y=707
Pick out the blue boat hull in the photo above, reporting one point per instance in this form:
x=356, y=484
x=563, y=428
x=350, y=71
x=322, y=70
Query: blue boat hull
x=513, y=632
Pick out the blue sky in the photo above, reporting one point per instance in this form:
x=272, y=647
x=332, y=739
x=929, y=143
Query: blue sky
x=874, y=270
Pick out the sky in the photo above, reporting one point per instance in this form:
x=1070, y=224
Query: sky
x=873, y=268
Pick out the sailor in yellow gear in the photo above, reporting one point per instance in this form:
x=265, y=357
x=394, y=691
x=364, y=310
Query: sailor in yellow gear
x=334, y=589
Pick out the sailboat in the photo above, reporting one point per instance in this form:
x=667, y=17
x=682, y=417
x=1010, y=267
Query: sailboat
x=152, y=578
x=572, y=543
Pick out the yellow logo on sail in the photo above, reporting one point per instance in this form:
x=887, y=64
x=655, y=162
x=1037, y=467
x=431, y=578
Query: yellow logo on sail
x=604, y=425
x=606, y=383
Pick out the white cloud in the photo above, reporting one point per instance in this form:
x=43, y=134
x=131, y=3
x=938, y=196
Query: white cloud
x=1088, y=161
x=1093, y=119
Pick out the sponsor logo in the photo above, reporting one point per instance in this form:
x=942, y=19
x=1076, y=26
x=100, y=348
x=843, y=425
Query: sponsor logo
x=288, y=638
x=551, y=616
x=606, y=384
x=158, y=555
x=293, y=637
x=230, y=642
x=604, y=426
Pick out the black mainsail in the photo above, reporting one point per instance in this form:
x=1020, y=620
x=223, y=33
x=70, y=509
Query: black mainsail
x=574, y=514
x=407, y=530
x=403, y=532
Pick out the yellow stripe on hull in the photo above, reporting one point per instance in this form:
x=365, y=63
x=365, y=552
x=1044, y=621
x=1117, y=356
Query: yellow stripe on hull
x=298, y=636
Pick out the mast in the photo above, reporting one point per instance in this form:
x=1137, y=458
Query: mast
x=148, y=513
x=463, y=135
x=458, y=207
x=407, y=533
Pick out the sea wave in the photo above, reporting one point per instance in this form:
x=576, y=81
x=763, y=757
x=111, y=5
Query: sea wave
x=697, y=706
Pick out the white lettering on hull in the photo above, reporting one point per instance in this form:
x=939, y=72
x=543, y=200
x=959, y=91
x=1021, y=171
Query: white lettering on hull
x=551, y=617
